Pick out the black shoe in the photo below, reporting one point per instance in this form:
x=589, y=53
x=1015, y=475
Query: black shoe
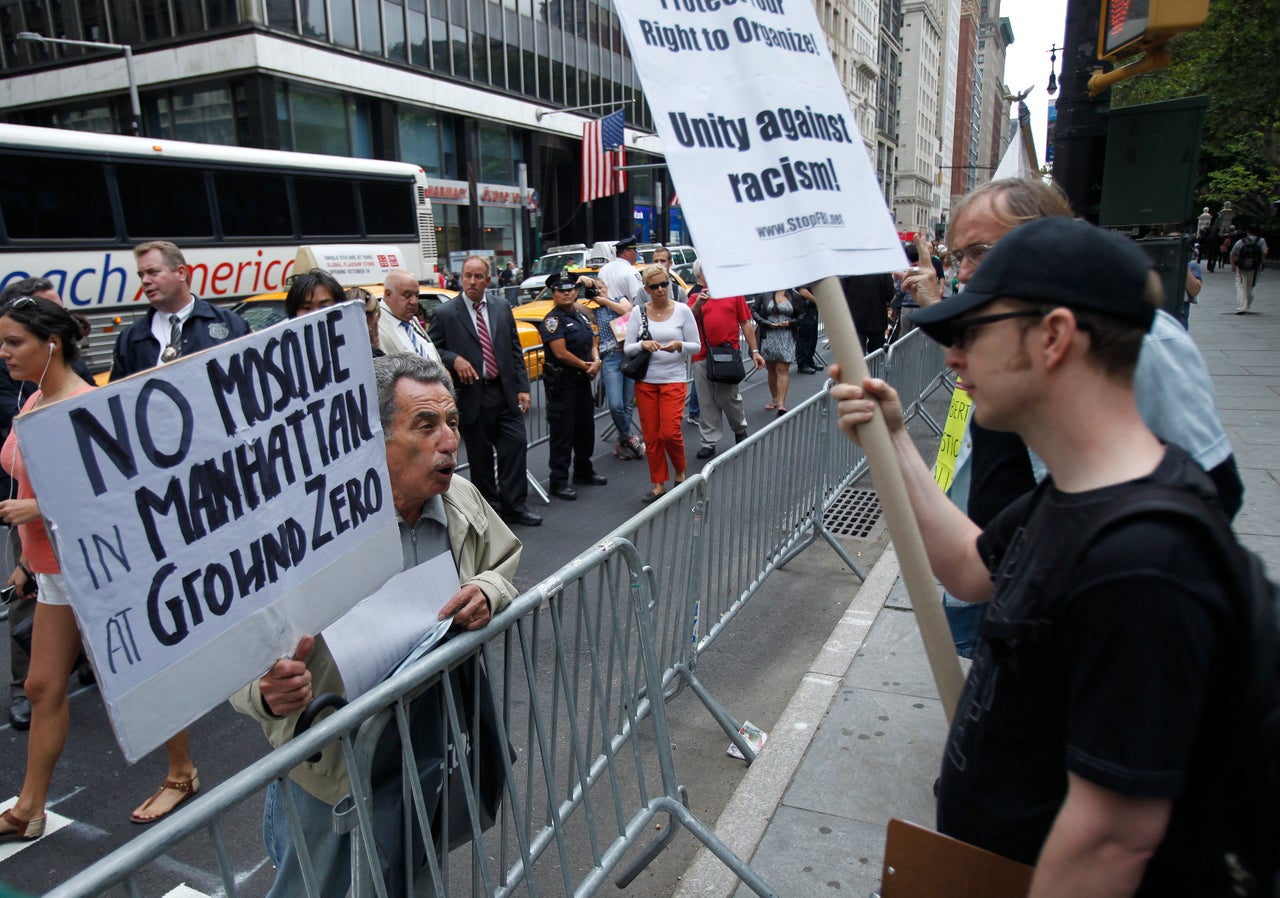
x=20, y=712
x=522, y=516
x=739, y=437
x=706, y=452
x=564, y=491
x=592, y=479
x=807, y=370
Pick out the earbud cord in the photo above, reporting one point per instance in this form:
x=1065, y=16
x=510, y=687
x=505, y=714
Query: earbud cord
x=10, y=562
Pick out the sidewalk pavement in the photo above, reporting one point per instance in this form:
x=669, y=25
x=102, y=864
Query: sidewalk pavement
x=861, y=740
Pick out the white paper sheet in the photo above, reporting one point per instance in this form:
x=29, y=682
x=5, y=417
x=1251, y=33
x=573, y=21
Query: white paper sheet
x=371, y=639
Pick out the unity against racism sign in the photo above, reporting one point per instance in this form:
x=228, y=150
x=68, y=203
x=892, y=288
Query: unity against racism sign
x=209, y=512
x=772, y=174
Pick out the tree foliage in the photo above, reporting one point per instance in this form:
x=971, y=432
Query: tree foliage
x=1232, y=60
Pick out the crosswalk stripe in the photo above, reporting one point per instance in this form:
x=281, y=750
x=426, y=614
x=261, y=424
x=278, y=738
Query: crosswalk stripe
x=54, y=823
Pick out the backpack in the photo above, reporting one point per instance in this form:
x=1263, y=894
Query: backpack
x=1250, y=256
x=1247, y=817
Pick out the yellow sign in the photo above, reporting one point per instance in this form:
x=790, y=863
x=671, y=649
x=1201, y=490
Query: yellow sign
x=944, y=468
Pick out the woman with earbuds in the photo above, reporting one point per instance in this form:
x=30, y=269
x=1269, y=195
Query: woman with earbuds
x=38, y=341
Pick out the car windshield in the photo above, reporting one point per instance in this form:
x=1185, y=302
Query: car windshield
x=557, y=262
x=262, y=314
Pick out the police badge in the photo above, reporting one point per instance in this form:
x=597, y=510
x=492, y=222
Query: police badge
x=219, y=331
x=551, y=322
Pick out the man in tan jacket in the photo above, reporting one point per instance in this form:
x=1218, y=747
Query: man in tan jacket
x=437, y=513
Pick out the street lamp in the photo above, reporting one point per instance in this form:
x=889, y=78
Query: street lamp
x=135, y=122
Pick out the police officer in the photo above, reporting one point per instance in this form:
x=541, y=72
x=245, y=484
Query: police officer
x=571, y=358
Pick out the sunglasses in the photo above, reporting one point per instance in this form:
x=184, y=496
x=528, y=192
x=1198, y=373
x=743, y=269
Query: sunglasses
x=960, y=332
x=661, y=286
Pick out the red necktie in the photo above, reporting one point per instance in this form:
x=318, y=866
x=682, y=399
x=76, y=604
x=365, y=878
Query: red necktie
x=486, y=343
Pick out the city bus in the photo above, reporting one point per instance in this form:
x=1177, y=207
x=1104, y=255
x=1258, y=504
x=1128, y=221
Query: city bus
x=74, y=204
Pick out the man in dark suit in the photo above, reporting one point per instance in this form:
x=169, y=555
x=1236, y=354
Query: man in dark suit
x=477, y=341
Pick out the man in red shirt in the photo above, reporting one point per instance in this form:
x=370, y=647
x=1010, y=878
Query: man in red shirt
x=719, y=321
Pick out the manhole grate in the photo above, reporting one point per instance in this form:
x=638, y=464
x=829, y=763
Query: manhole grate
x=855, y=512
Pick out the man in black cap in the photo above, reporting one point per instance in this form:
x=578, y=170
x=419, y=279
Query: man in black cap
x=1083, y=739
x=570, y=361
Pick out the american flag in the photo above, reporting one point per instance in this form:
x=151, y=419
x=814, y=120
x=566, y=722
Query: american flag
x=600, y=175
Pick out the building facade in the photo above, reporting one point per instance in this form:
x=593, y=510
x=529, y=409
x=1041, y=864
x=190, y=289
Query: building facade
x=995, y=34
x=851, y=27
x=451, y=86
x=888, y=89
x=916, y=205
x=947, y=104
x=968, y=94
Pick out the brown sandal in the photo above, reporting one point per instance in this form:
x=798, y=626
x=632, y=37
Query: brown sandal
x=20, y=830
x=186, y=788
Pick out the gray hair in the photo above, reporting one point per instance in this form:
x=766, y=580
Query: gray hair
x=697, y=269
x=396, y=272
x=389, y=369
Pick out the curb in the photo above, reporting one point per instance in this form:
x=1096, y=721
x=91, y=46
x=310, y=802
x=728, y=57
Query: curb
x=746, y=817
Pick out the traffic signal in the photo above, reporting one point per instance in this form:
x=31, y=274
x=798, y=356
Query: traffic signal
x=1131, y=26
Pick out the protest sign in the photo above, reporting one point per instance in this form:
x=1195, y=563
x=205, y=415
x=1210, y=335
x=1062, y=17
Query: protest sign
x=773, y=176
x=209, y=512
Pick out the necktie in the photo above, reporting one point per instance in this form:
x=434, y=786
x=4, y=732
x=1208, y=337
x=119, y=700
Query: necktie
x=413, y=338
x=174, y=349
x=486, y=343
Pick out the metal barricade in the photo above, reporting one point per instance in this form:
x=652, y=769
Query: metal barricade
x=915, y=367
x=555, y=794
x=576, y=674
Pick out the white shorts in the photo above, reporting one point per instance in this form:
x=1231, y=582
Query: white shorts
x=52, y=589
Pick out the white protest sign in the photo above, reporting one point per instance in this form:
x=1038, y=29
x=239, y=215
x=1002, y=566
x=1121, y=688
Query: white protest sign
x=209, y=512
x=772, y=174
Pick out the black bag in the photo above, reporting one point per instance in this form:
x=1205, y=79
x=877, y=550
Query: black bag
x=637, y=366
x=724, y=364
x=1250, y=256
x=1245, y=824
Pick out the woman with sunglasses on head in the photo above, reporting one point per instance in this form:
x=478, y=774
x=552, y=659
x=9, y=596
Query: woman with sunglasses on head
x=38, y=341
x=672, y=338
x=311, y=290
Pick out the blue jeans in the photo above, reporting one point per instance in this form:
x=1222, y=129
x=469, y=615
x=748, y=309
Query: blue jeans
x=330, y=851
x=619, y=390
x=965, y=619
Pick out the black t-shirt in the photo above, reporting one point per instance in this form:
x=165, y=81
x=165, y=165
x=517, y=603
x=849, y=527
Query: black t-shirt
x=1115, y=674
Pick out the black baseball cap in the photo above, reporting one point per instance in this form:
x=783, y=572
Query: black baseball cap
x=562, y=280
x=1057, y=261
x=625, y=243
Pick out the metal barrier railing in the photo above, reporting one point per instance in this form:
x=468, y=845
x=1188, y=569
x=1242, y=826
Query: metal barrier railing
x=532, y=747
x=566, y=679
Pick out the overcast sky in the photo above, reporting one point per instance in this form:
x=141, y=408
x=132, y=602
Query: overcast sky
x=1037, y=26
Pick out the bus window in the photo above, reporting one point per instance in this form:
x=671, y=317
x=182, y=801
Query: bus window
x=326, y=208
x=388, y=208
x=252, y=204
x=47, y=198
x=163, y=202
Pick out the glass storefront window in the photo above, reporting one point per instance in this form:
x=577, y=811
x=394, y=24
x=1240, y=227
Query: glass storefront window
x=420, y=140
x=370, y=28
x=495, y=154
x=202, y=115
x=319, y=122
x=344, y=23
x=393, y=21
x=313, y=21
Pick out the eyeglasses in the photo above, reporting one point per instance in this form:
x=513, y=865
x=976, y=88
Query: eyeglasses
x=661, y=286
x=973, y=252
x=961, y=330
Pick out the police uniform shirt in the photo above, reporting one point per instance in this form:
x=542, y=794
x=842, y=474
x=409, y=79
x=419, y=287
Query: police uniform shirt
x=571, y=326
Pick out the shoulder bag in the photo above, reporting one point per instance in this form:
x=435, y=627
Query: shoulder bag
x=724, y=364
x=637, y=366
